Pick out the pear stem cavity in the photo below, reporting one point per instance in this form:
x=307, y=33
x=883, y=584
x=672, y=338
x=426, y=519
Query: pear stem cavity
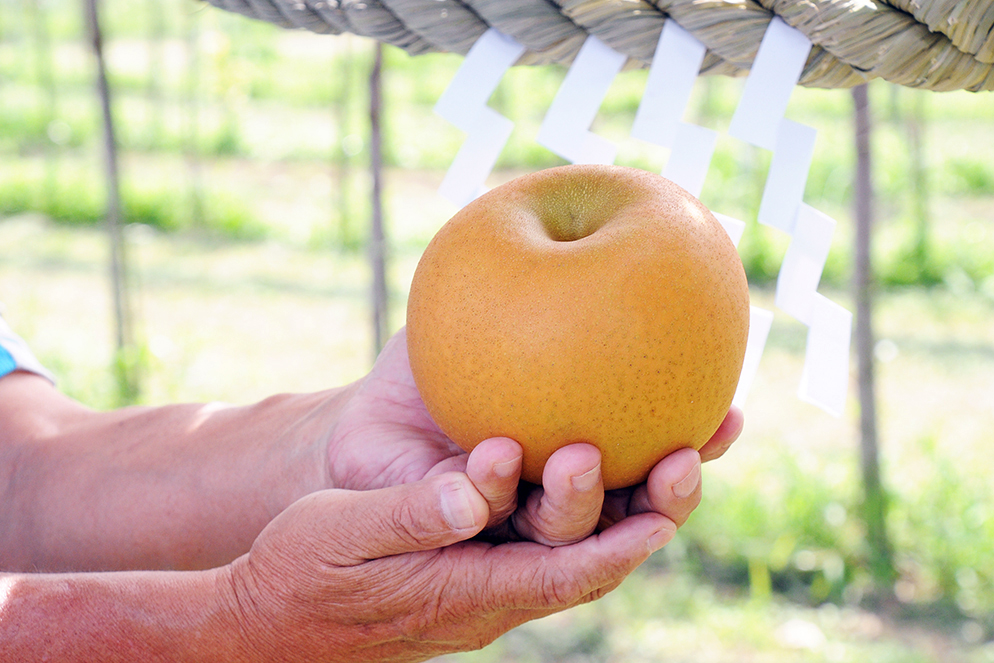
x=572, y=214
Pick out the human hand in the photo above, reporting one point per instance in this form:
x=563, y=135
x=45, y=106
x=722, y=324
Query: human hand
x=386, y=437
x=391, y=575
x=571, y=502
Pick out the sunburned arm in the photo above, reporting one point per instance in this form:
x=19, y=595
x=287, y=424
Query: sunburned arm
x=129, y=616
x=174, y=487
x=407, y=585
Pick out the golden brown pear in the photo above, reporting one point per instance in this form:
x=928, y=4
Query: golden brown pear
x=593, y=304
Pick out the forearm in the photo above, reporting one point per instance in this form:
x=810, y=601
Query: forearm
x=176, y=487
x=130, y=616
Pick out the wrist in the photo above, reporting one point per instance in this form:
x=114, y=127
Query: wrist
x=257, y=624
x=241, y=634
x=334, y=457
x=314, y=438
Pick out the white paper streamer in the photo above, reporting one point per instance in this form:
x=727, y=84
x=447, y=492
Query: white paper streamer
x=774, y=73
x=758, y=120
x=691, y=156
x=825, y=379
x=675, y=66
x=733, y=227
x=486, y=137
x=760, y=321
x=566, y=127
x=804, y=262
x=464, y=104
x=788, y=175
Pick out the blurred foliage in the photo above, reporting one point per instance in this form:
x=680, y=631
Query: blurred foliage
x=229, y=94
x=797, y=531
x=779, y=525
x=78, y=198
x=213, y=86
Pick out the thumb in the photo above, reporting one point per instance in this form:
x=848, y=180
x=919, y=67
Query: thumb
x=428, y=514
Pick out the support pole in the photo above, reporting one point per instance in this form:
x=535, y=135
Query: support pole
x=874, y=495
x=377, y=240
x=919, y=183
x=124, y=336
x=346, y=235
x=44, y=74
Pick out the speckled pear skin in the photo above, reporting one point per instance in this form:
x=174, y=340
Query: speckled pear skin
x=592, y=303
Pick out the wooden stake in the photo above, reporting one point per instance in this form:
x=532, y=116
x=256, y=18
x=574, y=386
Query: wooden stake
x=919, y=182
x=45, y=76
x=127, y=374
x=874, y=496
x=347, y=237
x=377, y=240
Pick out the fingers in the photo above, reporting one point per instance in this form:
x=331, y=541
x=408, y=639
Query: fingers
x=567, y=507
x=571, y=503
x=494, y=466
x=728, y=432
x=616, y=503
x=529, y=576
x=673, y=488
x=455, y=463
x=428, y=514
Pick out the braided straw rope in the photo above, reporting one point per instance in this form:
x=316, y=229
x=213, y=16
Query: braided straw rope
x=933, y=44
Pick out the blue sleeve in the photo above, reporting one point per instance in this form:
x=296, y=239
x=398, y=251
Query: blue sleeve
x=16, y=355
x=7, y=363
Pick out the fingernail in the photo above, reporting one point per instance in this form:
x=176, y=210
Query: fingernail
x=586, y=481
x=662, y=536
x=508, y=468
x=456, y=506
x=687, y=485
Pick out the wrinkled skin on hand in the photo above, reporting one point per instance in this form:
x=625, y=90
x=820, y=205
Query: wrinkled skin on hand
x=422, y=549
x=383, y=575
x=385, y=437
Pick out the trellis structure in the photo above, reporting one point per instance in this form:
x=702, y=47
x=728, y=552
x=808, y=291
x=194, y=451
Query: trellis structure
x=938, y=45
x=933, y=44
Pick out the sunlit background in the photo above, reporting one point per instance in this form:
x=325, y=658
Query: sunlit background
x=246, y=188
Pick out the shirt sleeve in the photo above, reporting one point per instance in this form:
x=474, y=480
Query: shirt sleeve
x=16, y=355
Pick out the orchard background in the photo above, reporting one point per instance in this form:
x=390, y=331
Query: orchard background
x=245, y=186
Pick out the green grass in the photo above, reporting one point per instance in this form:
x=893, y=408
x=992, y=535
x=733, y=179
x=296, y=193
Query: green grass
x=663, y=615
x=778, y=536
x=73, y=193
x=263, y=141
x=267, y=96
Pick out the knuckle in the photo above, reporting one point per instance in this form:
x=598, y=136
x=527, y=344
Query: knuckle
x=502, y=506
x=681, y=510
x=557, y=528
x=552, y=523
x=408, y=526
